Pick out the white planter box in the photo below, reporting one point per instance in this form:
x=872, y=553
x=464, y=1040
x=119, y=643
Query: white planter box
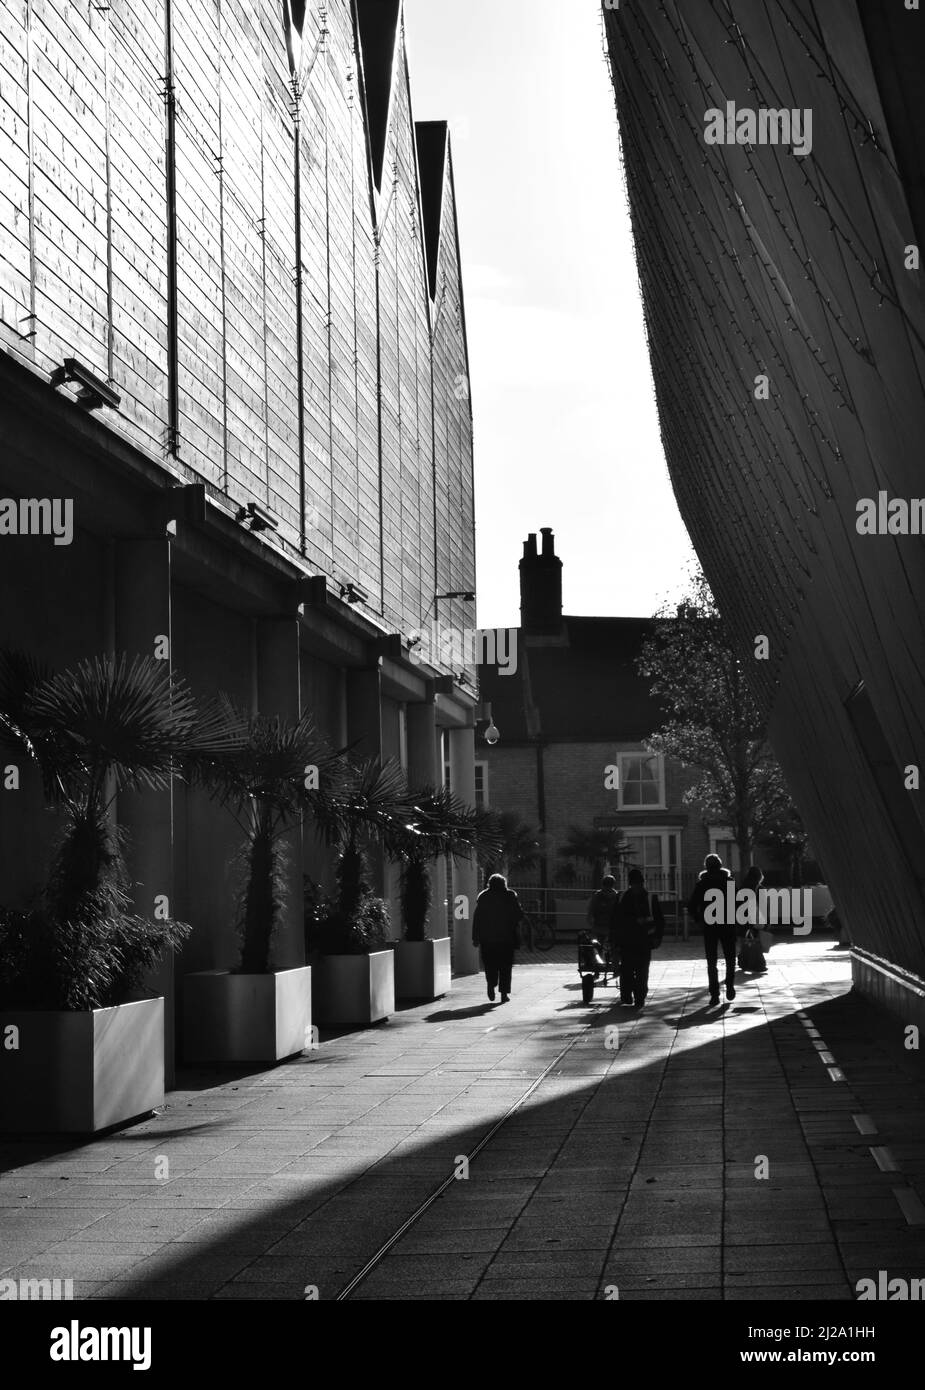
x=246, y=1018
x=77, y=1073
x=355, y=989
x=422, y=969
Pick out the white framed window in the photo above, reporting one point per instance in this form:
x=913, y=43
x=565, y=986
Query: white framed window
x=642, y=781
x=723, y=843
x=657, y=852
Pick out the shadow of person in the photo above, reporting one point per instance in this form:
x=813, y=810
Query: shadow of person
x=707, y=1013
x=443, y=1015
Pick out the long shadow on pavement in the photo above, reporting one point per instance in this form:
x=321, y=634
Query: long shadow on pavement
x=644, y=1178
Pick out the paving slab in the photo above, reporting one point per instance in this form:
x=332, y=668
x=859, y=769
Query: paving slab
x=710, y=1156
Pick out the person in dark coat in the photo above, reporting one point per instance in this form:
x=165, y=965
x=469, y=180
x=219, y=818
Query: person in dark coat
x=717, y=933
x=639, y=927
x=602, y=908
x=496, y=931
x=752, y=943
x=601, y=916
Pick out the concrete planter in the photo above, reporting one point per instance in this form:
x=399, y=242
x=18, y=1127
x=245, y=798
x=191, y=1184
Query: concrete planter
x=422, y=969
x=246, y=1018
x=76, y=1073
x=355, y=989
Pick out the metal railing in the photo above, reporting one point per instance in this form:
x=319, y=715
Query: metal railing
x=565, y=909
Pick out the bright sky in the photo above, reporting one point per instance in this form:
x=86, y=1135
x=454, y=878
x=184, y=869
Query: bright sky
x=566, y=431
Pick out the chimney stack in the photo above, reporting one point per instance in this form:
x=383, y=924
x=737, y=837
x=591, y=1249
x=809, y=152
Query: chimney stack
x=541, y=585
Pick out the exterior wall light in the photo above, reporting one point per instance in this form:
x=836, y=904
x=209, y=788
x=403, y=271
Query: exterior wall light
x=94, y=392
x=257, y=517
x=352, y=593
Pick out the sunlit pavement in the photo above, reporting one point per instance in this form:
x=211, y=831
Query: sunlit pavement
x=770, y=1148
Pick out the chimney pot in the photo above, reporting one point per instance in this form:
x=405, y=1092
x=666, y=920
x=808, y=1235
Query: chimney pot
x=541, y=585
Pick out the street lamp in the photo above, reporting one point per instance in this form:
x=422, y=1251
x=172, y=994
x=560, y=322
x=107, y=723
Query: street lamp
x=492, y=734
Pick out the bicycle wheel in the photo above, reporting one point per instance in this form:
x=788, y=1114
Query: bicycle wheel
x=544, y=937
x=587, y=988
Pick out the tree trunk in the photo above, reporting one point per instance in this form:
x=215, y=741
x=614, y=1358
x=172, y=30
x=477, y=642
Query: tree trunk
x=261, y=899
x=798, y=852
x=744, y=843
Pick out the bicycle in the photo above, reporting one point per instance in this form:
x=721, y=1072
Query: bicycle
x=540, y=933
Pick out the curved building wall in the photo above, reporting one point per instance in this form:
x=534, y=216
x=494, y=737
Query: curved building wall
x=787, y=338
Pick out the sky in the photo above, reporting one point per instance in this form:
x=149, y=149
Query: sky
x=566, y=430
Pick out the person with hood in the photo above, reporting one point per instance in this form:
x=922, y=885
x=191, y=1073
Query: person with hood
x=717, y=932
x=496, y=931
x=638, y=931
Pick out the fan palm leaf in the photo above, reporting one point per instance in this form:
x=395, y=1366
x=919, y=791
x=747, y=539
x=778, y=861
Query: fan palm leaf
x=268, y=760
x=20, y=676
x=441, y=823
x=111, y=717
x=518, y=845
x=367, y=803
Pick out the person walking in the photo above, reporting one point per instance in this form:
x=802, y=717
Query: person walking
x=717, y=932
x=751, y=955
x=639, y=927
x=496, y=932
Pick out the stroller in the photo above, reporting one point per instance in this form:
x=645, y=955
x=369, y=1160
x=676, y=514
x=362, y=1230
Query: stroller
x=593, y=962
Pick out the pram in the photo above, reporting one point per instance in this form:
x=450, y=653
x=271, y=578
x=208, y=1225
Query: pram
x=593, y=962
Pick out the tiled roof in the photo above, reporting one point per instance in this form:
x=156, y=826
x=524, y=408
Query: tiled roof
x=586, y=689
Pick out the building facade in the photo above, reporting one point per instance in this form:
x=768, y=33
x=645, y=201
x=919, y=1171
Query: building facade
x=232, y=339
x=574, y=716
x=774, y=162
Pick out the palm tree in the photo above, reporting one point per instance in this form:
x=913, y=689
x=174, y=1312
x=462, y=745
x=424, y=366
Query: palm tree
x=518, y=844
x=266, y=779
x=596, y=846
x=439, y=825
x=108, y=725
x=367, y=806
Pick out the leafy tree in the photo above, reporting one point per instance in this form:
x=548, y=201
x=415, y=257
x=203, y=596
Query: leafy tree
x=789, y=842
x=713, y=723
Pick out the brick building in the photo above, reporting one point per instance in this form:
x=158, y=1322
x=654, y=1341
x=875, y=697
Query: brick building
x=232, y=337
x=573, y=715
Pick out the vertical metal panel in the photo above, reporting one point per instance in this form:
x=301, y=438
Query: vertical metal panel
x=755, y=260
x=152, y=226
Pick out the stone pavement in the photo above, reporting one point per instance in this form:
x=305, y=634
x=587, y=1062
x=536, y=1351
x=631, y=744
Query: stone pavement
x=772, y=1148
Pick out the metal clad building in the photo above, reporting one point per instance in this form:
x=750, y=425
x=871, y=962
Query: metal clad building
x=226, y=338
x=778, y=261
